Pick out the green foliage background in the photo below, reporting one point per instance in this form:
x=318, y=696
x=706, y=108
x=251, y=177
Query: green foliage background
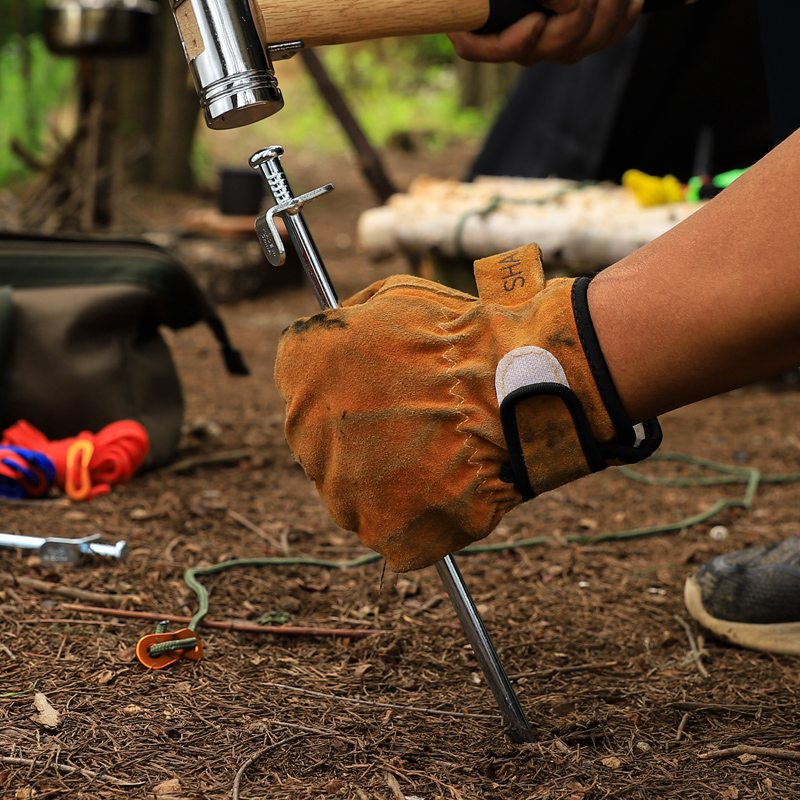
x=33, y=83
x=395, y=86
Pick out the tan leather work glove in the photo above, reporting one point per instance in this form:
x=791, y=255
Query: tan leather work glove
x=424, y=414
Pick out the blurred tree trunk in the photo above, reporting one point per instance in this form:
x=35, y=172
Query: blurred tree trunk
x=157, y=109
x=482, y=84
x=178, y=111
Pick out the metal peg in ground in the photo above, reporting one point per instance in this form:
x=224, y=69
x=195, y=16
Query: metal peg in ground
x=288, y=207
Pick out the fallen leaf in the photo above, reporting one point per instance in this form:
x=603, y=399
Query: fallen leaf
x=105, y=676
x=406, y=588
x=394, y=786
x=169, y=787
x=127, y=655
x=562, y=709
x=48, y=716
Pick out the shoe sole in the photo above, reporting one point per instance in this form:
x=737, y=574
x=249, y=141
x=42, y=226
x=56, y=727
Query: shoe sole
x=782, y=638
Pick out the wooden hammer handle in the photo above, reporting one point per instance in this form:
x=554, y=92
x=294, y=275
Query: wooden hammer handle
x=321, y=22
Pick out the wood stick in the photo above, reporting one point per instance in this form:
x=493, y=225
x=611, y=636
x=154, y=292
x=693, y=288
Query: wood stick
x=240, y=772
x=243, y=627
x=31, y=762
x=64, y=591
x=341, y=21
x=65, y=621
x=542, y=673
x=745, y=749
x=188, y=464
x=393, y=707
x=235, y=515
x=369, y=161
x=692, y=645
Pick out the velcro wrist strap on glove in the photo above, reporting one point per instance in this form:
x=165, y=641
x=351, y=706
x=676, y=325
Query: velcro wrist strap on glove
x=560, y=412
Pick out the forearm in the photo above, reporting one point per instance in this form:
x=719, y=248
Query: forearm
x=713, y=304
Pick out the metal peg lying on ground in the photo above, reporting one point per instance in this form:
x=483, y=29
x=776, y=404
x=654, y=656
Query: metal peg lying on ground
x=288, y=207
x=64, y=551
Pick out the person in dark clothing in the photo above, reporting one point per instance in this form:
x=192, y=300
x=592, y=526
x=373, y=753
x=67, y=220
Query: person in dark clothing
x=684, y=94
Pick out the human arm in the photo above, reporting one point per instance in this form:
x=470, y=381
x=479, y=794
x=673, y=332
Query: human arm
x=394, y=402
x=575, y=29
x=713, y=304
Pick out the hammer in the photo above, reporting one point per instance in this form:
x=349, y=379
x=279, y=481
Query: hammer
x=230, y=44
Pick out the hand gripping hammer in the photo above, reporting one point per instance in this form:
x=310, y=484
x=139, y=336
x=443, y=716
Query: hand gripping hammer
x=289, y=207
x=230, y=44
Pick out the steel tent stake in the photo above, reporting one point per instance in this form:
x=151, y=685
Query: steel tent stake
x=288, y=207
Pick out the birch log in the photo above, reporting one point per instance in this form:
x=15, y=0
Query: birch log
x=579, y=227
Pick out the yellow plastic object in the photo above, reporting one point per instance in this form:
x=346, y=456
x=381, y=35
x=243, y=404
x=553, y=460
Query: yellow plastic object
x=79, y=455
x=651, y=190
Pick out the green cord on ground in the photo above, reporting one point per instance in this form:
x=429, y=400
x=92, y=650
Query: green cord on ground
x=24, y=691
x=202, y=594
x=155, y=650
x=751, y=477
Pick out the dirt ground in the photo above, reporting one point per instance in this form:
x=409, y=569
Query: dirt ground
x=626, y=696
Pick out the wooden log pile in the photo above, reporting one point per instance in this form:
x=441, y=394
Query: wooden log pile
x=580, y=227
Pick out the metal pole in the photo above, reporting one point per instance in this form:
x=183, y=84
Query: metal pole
x=519, y=730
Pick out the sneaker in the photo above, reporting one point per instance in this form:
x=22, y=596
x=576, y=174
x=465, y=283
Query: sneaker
x=751, y=598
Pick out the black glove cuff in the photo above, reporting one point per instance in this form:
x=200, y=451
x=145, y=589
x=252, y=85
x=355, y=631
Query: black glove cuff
x=632, y=444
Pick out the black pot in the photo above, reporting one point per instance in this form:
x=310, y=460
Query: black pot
x=87, y=28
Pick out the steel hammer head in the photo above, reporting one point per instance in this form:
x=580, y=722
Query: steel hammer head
x=231, y=69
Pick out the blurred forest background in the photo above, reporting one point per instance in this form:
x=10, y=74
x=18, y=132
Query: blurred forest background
x=75, y=125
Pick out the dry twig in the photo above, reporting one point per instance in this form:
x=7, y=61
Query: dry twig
x=695, y=652
x=188, y=464
x=64, y=591
x=240, y=773
x=244, y=627
x=682, y=725
x=746, y=749
x=391, y=706
x=259, y=531
x=686, y=706
x=89, y=773
x=544, y=673
x=318, y=731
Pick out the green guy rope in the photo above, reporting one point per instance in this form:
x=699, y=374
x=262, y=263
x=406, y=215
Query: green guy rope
x=749, y=476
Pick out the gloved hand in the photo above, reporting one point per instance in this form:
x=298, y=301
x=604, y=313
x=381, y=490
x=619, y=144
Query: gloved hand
x=424, y=414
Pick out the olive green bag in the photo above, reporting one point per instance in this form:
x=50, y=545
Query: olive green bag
x=80, y=340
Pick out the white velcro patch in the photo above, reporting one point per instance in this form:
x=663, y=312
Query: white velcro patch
x=524, y=366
